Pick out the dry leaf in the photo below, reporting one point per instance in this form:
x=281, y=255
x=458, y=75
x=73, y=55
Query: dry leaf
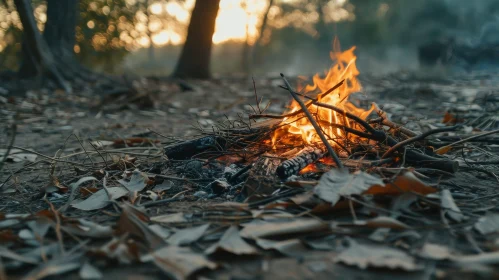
x=406, y=182
x=179, y=262
x=381, y=222
x=232, y=242
x=292, y=247
x=17, y=155
x=55, y=266
x=134, y=222
x=339, y=182
x=488, y=224
x=170, y=218
x=100, y=199
x=188, y=235
x=137, y=182
x=275, y=228
x=8, y=254
x=88, y=271
x=88, y=229
x=449, y=206
x=483, y=258
x=365, y=256
x=435, y=252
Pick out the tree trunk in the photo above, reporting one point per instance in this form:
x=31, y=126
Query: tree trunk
x=37, y=56
x=194, y=60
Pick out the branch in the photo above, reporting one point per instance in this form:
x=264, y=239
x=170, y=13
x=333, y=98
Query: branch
x=314, y=124
x=416, y=138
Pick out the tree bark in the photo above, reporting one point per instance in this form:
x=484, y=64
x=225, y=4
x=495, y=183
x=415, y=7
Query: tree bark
x=38, y=59
x=194, y=60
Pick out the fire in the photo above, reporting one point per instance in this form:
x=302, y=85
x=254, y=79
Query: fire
x=343, y=69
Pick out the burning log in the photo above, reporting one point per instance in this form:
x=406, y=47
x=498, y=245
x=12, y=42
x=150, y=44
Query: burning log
x=292, y=166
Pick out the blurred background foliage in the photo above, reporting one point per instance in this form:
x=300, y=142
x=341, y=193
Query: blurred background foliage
x=145, y=36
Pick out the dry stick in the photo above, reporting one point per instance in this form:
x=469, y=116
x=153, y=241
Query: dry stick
x=466, y=140
x=416, y=138
x=384, y=120
x=14, y=131
x=314, y=124
x=47, y=157
x=295, y=113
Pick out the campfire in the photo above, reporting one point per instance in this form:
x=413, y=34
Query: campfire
x=338, y=83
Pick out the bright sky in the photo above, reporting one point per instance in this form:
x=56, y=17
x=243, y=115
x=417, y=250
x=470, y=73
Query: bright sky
x=233, y=18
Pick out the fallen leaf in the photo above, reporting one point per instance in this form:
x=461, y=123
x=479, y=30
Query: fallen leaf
x=100, y=199
x=488, y=224
x=88, y=271
x=339, y=182
x=170, y=218
x=292, y=247
x=119, y=249
x=17, y=155
x=483, y=258
x=55, y=266
x=232, y=242
x=8, y=254
x=188, y=235
x=134, y=222
x=406, y=182
x=449, y=206
x=380, y=222
x=435, y=252
x=137, y=182
x=88, y=229
x=275, y=228
x=178, y=262
x=364, y=256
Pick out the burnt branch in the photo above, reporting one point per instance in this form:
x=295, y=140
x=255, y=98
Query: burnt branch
x=314, y=124
x=305, y=157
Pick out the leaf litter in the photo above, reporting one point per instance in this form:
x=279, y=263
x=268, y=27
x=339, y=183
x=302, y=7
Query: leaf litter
x=138, y=209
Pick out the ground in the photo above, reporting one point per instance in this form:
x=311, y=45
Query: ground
x=56, y=124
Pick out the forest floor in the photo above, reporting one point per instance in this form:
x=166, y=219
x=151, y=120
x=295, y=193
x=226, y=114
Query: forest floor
x=100, y=140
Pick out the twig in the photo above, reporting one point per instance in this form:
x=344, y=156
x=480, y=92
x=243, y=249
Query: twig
x=11, y=143
x=360, y=121
x=95, y=148
x=417, y=138
x=445, y=148
x=57, y=226
x=314, y=124
x=47, y=157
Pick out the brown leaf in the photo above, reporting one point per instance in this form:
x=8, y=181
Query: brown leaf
x=232, y=242
x=406, y=182
x=88, y=229
x=276, y=228
x=132, y=221
x=364, y=256
x=188, y=235
x=339, y=182
x=178, y=262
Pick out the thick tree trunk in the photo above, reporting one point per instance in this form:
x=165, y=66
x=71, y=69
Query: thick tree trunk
x=194, y=60
x=38, y=58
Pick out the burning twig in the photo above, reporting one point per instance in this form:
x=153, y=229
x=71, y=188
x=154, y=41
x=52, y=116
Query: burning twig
x=314, y=124
x=416, y=138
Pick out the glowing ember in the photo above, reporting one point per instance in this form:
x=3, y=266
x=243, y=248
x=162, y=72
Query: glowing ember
x=343, y=69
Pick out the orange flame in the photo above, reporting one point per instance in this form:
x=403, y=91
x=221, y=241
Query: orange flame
x=343, y=69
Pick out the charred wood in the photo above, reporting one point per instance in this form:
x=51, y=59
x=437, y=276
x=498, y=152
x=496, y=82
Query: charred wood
x=305, y=157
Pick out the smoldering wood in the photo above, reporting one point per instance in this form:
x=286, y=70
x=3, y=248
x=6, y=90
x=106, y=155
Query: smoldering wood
x=188, y=149
x=305, y=157
x=261, y=179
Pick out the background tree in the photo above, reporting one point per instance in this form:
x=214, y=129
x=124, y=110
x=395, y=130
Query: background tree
x=194, y=60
